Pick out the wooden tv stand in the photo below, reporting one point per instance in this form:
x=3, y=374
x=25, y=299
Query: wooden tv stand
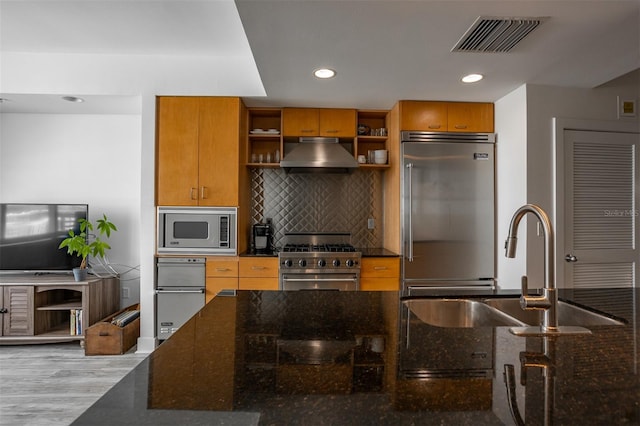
x=38, y=308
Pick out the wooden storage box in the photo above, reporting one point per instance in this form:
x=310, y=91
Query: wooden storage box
x=104, y=338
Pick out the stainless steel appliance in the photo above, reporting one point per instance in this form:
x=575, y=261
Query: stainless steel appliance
x=263, y=238
x=319, y=262
x=448, y=219
x=318, y=155
x=180, y=292
x=206, y=230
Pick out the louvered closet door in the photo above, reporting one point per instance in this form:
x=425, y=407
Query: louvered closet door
x=601, y=209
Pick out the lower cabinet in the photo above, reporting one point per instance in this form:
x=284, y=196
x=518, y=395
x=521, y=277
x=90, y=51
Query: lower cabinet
x=222, y=274
x=54, y=308
x=17, y=304
x=380, y=273
x=258, y=273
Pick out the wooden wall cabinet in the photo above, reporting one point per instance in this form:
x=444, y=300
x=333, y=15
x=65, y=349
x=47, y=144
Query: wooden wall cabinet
x=375, y=120
x=222, y=274
x=327, y=122
x=470, y=117
x=423, y=115
x=39, y=309
x=198, y=151
x=380, y=273
x=258, y=273
x=436, y=116
x=264, y=141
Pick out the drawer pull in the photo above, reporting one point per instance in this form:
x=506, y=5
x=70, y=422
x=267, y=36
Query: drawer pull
x=379, y=268
x=434, y=126
x=460, y=126
x=222, y=269
x=258, y=268
x=332, y=131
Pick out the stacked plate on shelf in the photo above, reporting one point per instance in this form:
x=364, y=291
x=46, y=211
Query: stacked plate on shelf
x=265, y=132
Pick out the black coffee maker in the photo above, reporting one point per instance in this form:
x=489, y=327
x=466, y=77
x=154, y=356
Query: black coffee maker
x=263, y=238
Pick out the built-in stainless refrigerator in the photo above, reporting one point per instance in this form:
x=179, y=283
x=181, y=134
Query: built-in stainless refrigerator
x=448, y=211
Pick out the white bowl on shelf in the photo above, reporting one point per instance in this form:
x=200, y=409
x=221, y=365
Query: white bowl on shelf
x=380, y=156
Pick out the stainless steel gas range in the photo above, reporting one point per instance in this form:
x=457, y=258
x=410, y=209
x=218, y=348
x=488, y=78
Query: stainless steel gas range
x=325, y=261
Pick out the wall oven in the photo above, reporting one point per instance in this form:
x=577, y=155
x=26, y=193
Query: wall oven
x=197, y=230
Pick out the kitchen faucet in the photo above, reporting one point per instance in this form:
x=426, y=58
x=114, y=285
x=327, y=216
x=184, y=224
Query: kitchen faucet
x=548, y=302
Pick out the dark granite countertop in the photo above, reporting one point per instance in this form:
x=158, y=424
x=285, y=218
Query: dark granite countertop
x=360, y=358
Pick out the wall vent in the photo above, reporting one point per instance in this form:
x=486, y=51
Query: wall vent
x=496, y=34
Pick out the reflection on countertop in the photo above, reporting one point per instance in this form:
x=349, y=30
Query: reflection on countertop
x=329, y=357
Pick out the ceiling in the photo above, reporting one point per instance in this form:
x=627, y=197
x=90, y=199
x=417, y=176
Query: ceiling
x=382, y=50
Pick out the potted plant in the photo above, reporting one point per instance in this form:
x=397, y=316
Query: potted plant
x=79, y=243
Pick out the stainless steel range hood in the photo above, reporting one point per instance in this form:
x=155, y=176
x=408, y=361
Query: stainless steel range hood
x=318, y=155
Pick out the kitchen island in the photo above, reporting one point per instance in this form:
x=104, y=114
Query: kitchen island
x=328, y=357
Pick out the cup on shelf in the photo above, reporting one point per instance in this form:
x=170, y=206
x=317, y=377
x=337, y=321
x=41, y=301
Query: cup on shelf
x=370, y=157
x=254, y=158
x=380, y=156
x=260, y=158
x=362, y=159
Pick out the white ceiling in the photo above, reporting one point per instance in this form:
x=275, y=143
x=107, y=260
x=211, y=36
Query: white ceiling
x=382, y=50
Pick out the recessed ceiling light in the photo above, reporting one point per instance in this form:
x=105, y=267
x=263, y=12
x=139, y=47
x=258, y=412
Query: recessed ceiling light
x=73, y=99
x=472, y=78
x=324, y=73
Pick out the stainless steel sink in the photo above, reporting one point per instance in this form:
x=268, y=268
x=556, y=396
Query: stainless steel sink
x=459, y=313
x=568, y=314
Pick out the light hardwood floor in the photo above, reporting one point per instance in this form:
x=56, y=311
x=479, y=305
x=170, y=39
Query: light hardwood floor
x=52, y=384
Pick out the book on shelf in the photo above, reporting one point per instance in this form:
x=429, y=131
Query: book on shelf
x=75, y=322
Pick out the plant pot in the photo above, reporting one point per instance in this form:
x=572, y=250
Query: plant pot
x=80, y=274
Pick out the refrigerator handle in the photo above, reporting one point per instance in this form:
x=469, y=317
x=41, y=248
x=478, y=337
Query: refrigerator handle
x=409, y=208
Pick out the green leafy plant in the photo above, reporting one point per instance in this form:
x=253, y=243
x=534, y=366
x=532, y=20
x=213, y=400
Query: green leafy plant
x=79, y=243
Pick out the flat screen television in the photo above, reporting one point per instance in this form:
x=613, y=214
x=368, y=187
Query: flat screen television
x=31, y=233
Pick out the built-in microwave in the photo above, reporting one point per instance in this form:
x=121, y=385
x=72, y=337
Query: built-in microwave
x=207, y=230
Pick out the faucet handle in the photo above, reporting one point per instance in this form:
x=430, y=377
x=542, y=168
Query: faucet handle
x=524, y=284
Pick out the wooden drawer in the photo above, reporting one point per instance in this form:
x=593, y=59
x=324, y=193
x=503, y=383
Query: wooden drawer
x=380, y=284
x=215, y=284
x=222, y=267
x=258, y=283
x=380, y=267
x=259, y=267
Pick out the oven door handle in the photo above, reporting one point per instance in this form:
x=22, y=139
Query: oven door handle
x=196, y=291
x=354, y=279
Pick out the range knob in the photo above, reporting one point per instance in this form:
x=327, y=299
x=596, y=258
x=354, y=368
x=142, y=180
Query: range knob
x=350, y=263
x=336, y=262
x=302, y=263
x=288, y=263
x=322, y=263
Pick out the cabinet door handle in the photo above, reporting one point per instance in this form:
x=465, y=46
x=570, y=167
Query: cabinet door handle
x=380, y=268
x=306, y=130
x=194, y=193
x=203, y=192
x=222, y=269
x=258, y=268
x=460, y=126
x=434, y=126
x=332, y=131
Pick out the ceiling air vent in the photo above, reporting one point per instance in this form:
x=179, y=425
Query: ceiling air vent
x=496, y=34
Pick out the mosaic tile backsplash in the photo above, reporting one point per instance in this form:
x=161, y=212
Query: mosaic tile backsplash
x=319, y=203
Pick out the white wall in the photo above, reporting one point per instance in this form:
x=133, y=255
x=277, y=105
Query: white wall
x=541, y=104
x=511, y=181
x=92, y=159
